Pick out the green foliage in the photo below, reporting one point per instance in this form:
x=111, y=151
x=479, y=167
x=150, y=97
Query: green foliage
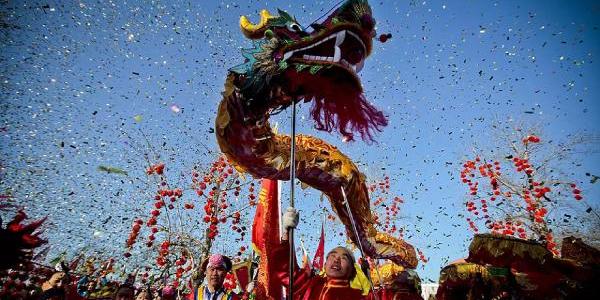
x=283, y=65
x=300, y=67
x=315, y=69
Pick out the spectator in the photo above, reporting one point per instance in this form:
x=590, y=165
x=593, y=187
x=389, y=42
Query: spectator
x=216, y=268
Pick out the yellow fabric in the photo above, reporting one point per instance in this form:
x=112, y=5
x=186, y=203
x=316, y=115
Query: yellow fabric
x=200, y=294
x=385, y=274
x=464, y=271
x=360, y=281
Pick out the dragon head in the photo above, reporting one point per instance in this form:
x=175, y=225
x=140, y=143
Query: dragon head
x=19, y=241
x=290, y=64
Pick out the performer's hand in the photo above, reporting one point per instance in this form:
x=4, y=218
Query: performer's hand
x=250, y=287
x=364, y=265
x=290, y=218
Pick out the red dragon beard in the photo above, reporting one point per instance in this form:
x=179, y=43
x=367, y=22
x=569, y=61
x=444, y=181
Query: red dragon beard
x=338, y=103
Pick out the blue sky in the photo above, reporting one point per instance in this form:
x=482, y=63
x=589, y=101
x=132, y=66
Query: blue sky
x=77, y=73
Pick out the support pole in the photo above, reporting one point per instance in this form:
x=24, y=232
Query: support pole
x=292, y=258
x=377, y=271
x=362, y=252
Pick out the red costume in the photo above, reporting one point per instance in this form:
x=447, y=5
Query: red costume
x=308, y=285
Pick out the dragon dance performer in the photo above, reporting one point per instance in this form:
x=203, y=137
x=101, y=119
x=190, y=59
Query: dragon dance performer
x=339, y=270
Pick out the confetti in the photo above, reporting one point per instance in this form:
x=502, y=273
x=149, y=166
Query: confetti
x=75, y=75
x=175, y=108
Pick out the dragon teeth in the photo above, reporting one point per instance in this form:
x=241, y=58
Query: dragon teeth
x=340, y=36
x=337, y=55
x=339, y=39
x=312, y=57
x=350, y=66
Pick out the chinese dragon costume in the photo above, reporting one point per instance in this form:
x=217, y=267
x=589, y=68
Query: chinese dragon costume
x=287, y=65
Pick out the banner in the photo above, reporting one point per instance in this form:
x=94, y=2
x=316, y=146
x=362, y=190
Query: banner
x=317, y=262
x=265, y=237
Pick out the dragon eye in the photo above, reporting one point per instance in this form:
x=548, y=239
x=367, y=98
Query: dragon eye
x=295, y=27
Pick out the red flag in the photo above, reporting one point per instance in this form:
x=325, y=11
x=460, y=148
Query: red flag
x=242, y=273
x=265, y=237
x=317, y=262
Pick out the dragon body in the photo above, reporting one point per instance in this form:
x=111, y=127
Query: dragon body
x=288, y=65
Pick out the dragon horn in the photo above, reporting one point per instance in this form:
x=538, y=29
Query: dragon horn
x=255, y=31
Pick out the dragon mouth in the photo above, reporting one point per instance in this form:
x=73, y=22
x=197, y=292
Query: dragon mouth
x=343, y=48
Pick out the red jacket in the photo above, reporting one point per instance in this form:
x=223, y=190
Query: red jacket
x=308, y=285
